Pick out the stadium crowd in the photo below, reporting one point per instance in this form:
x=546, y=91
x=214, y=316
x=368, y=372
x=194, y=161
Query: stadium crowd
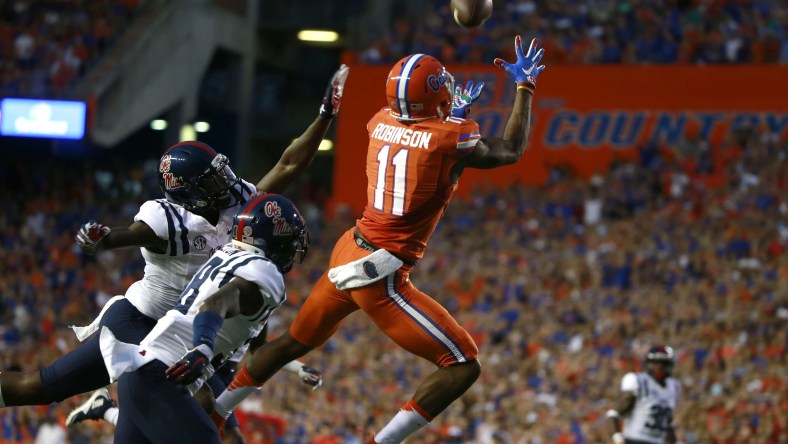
x=46, y=45
x=597, y=31
x=563, y=287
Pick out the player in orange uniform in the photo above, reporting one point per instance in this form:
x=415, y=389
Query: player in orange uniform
x=418, y=148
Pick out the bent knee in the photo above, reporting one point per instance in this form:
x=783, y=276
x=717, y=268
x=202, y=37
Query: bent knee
x=27, y=389
x=291, y=347
x=464, y=374
x=473, y=369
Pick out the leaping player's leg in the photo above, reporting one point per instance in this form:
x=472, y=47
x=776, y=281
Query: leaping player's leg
x=423, y=327
x=78, y=371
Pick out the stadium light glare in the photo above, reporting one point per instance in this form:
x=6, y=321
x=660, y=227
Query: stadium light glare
x=325, y=145
x=187, y=133
x=202, y=127
x=158, y=125
x=314, y=35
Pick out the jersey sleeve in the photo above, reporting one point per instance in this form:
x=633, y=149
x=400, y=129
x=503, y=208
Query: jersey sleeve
x=154, y=214
x=247, y=190
x=261, y=271
x=467, y=137
x=629, y=383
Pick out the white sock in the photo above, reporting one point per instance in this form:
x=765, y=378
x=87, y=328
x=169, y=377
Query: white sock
x=2, y=403
x=111, y=415
x=407, y=421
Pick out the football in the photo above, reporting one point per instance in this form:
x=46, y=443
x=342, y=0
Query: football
x=471, y=13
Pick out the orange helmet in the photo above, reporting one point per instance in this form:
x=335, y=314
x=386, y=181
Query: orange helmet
x=419, y=88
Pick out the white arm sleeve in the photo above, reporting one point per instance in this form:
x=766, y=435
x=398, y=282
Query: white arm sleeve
x=629, y=383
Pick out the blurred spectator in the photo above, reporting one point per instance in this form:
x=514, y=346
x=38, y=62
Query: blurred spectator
x=563, y=287
x=599, y=31
x=46, y=45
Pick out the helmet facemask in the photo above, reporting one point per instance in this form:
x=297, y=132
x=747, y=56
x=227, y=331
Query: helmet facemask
x=293, y=253
x=659, y=362
x=444, y=108
x=216, y=184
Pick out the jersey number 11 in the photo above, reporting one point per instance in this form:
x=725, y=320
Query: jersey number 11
x=400, y=163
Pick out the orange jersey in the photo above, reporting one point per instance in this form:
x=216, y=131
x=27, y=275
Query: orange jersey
x=408, y=181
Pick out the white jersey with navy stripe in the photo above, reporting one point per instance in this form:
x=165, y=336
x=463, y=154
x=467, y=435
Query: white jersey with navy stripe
x=652, y=416
x=191, y=240
x=172, y=335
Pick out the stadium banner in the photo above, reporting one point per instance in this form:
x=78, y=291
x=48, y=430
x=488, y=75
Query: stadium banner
x=584, y=116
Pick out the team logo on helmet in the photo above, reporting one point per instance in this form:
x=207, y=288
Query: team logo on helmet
x=436, y=82
x=164, y=166
x=272, y=209
x=281, y=226
x=171, y=181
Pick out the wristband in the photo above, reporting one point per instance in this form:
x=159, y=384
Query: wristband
x=525, y=86
x=205, y=328
x=612, y=413
x=293, y=366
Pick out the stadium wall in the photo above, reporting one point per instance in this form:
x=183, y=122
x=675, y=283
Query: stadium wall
x=584, y=116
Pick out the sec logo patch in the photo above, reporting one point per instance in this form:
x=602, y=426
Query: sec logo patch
x=200, y=243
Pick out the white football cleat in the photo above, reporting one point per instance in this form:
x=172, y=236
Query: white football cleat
x=94, y=408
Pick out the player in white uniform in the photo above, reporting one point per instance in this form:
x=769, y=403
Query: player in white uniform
x=226, y=305
x=176, y=235
x=647, y=402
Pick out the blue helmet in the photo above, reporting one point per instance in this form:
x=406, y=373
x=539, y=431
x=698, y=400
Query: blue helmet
x=661, y=353
x=194, y=176
x=662, y=357
x=271, y=224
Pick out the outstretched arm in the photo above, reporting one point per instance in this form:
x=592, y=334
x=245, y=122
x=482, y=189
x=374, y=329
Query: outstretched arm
x=299, y=154
x=93, y=237
x=492, y=152
x=239, y=296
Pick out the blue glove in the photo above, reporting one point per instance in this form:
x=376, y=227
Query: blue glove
x=463, y=99
x=526, y=69
x=190, y=367
x=333, y=97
